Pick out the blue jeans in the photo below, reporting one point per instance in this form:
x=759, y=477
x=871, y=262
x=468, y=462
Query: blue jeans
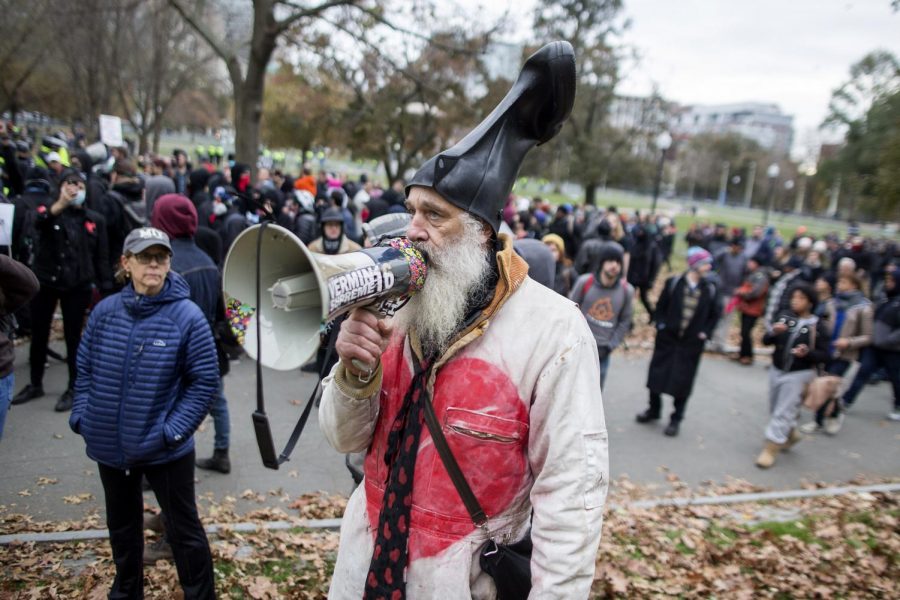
x=870, y=360
x=6, y=389
x=604, y=368
x=221, y=422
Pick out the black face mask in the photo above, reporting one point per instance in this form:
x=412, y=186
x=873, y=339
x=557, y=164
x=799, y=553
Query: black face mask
x=331, y=246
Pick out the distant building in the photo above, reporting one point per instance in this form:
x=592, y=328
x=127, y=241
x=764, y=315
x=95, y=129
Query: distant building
x=761, y=122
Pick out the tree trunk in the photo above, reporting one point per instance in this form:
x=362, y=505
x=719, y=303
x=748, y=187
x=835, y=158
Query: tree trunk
x=590, y=194
x=391, y=176
x=157, y=133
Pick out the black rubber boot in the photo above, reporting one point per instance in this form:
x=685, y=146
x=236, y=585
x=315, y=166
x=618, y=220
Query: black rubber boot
x=218, y=462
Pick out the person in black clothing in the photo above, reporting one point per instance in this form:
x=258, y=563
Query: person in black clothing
x=71, y=259
x=644, y=264
x=122, y=207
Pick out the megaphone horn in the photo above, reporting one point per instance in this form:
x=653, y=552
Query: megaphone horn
x=307, y=290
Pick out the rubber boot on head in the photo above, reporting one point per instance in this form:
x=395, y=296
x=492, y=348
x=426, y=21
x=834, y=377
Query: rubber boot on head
x=218, y=462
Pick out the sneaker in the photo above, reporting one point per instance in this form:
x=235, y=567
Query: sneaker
x=29, y=392
x=894, y=415
x=64, y=404
x=158, y=550
x=834, y=424
x=811, y=427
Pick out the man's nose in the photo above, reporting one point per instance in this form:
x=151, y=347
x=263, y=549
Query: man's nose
x=416, y=232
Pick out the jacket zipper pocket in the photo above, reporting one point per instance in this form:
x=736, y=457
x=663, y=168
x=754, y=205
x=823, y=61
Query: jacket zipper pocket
x=481, y=435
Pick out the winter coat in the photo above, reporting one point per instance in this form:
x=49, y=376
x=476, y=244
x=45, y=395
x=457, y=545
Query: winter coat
x=123, y=208
x=155, y=187
x=752, y=293
x=676, y=354
x=71, y=252
x=347, y=245
x=730, y=268
x=519, y=400
x=798, y=333
x=645, y=258
x=146, y=377
x=856, y=326
x=886, y=328
x=17, y=286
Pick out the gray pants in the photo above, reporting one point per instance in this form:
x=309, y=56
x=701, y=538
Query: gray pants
x=785, y=398
x=723, y=327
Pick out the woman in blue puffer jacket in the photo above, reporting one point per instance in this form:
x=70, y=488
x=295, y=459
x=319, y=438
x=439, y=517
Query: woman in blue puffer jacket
x=147, y=373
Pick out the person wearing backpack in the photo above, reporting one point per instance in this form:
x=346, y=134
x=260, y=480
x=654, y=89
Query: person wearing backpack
x=122, y=206
x=606, y=301
x=686, y=313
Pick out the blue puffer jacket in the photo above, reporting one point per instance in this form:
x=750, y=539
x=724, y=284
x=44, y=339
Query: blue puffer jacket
x=147, y=374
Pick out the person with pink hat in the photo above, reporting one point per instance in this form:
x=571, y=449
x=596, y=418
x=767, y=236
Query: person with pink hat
x=686, y=313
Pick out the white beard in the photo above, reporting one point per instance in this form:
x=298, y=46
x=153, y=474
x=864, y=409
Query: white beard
x=455, y=273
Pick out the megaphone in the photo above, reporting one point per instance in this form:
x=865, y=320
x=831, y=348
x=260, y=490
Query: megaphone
x=300, y=290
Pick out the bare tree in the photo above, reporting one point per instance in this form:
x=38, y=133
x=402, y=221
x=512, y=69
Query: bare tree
x=161, y=56
x=23, y=47
x=272, y=19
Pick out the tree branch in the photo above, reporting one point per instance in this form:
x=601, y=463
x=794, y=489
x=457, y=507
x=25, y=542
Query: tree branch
x=229, y=57
x=302, y=12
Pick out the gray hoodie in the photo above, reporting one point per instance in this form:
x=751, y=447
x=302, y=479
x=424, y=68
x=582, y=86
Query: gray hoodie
x=608, y=310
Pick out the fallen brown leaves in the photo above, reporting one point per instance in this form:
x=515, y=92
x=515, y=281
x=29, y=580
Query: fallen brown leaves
x=846, y=546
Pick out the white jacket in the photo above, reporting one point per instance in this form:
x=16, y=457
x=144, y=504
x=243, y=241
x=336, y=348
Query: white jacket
x=518, y=395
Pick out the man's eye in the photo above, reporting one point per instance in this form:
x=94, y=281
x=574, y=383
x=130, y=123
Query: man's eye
x=433, y=215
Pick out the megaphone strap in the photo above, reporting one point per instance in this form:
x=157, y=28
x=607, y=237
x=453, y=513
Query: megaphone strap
x=260, y=419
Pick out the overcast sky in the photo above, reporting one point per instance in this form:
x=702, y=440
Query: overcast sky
x=789, y=52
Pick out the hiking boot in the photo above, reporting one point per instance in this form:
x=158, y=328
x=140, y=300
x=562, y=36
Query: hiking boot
x=766, y=458
x=793, y=437
x=646, y=417
x=64, y=404
x=833, y=424
x=154, y=523
x=746, y=360
x=671, y=429
x=158, y=550
x=217, y=462
x=29, y=392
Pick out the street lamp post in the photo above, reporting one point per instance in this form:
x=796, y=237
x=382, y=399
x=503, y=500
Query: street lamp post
x=772, y=172
x=663, y=141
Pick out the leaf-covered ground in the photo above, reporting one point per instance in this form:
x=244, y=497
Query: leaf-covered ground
x=827, y=547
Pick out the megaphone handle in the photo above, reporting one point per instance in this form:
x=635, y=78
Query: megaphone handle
x=359, y=365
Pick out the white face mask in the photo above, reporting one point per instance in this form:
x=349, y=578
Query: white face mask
x=219, y=209
x=78, y=200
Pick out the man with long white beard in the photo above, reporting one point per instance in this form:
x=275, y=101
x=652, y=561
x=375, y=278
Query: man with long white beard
x=509, y=369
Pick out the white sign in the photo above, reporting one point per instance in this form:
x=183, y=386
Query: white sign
x=6, y=223
x=111, y=131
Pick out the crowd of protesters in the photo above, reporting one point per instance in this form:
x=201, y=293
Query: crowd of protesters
x=74, y=210
x=849, y=282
